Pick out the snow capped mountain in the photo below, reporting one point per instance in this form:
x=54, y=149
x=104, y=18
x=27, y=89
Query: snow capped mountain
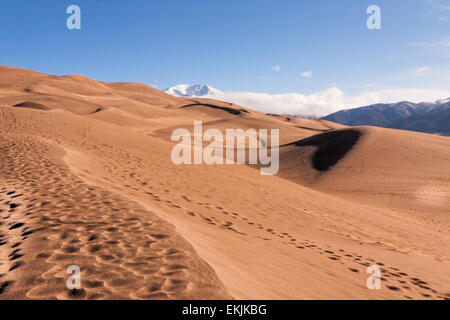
x=197, y=90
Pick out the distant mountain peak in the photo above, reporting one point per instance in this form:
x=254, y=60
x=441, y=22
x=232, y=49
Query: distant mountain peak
x=443, y=101
x=196, y=90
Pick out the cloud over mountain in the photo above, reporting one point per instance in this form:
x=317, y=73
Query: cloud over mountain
x=317, y=104
x=325, y=102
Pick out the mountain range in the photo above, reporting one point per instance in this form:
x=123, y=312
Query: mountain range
x=425, y=117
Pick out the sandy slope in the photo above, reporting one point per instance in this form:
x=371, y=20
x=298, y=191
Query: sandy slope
x=94, y=186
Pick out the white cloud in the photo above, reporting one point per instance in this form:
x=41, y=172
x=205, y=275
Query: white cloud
x=275, y=68
x=438, y=44
x=328, y=101
x=437, y=6
x=306, y=74
x=420, y=71
x=444, y=7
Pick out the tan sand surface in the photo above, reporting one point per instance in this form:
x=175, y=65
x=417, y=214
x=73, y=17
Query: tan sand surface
x=86, y=179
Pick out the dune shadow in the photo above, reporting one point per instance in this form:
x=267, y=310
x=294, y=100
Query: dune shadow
x=332, y=147
x=212, y=106
x=97, y=110
x=31, y=105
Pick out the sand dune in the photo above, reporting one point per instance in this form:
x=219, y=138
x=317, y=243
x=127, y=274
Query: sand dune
x=88, y=181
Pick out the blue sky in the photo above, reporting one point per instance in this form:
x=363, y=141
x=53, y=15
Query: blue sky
x=273, y=47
